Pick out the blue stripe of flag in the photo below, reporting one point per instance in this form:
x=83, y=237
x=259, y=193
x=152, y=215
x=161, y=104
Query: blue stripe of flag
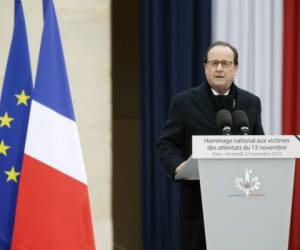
x=52, y=87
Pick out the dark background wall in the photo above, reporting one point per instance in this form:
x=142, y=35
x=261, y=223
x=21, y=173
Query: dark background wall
x=126, y=175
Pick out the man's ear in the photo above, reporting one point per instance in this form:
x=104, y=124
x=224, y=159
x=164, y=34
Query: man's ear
x=236, y=67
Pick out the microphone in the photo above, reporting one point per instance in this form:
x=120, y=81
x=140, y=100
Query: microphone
x=241, y=122
x=224, y=121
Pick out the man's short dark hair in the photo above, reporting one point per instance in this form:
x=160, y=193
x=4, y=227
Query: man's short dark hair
x=221, y=43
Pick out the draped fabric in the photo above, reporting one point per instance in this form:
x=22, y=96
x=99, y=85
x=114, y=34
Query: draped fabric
x=174, y=35
x=290, y=104
x=267, y=38
x=291, y=75
x=255, y=29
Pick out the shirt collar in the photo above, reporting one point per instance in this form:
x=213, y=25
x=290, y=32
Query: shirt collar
x=216, y=93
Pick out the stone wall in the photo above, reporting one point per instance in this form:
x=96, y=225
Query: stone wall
x=85, y=32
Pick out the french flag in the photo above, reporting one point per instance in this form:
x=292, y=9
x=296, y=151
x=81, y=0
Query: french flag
x=53, y=210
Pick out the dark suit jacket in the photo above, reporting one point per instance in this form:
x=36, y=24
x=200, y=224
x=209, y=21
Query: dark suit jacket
x=192, y=112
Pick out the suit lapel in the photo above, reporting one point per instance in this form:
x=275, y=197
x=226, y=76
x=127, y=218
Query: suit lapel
x=203, y=103
x=242, y=100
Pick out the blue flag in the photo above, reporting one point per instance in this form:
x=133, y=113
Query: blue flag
x=14, y=113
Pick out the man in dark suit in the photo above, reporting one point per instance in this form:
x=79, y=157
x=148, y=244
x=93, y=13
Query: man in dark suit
x=193, y=112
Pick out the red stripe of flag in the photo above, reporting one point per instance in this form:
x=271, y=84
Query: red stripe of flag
x=290, y=103
x=53, y=210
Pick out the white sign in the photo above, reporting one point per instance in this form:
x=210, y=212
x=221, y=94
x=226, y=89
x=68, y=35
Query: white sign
x=252, y=146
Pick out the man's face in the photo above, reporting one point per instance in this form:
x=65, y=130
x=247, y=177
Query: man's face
x=220, y=69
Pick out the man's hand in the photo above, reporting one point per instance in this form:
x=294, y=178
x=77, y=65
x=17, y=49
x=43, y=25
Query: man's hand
x=179, y=167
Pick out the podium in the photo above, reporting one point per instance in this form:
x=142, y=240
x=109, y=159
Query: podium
x=246, y=185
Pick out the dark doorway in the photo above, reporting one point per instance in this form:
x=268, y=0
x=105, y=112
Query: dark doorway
x=125, y=96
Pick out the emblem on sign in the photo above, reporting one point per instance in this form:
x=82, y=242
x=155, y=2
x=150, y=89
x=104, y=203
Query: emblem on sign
x=248, y=183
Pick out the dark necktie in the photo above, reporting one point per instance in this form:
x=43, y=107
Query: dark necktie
x=224, y=102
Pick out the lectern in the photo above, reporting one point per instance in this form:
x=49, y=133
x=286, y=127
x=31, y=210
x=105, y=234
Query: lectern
x=246, y=185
